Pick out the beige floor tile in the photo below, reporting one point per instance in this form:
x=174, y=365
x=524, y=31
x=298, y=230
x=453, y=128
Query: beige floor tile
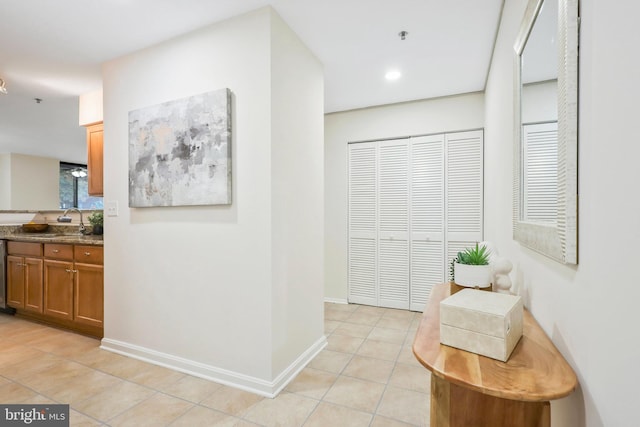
x=95, y=357
x=154, y=376
x=330, y=361
x=232, y=401
x=355, y=394
x=330, y=326
x=391, y=323
x=343, y=343
x=347, y=308
x=379, y=350
x=15, y=393
x=416, y=378
x=4, y=381
x=364, y=318
x=399, y=314
x=367, y=368
x=328, y=415
x=368, y=309
x=76, y=419
x=336, y=315
x=58, y=373
x=379, y=421
x=405, y=405
x=12, y=352
x=191, y=388
x=67, y=344
x=122, y=366
x=407, y=357
x=199, y=416
x=286, y=410
x=81, y=387
x=112, y=402
x=393, y=336
x=158, y=410
x=312, y=383
x=18, y=369
x=353, y=330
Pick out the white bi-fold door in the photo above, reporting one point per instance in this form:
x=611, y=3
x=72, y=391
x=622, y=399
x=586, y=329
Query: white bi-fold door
x=412, y=202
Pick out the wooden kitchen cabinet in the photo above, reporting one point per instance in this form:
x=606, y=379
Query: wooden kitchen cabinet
x=63, y=287
x=94, y=159
x=24, y=276
x=58, y=289
x=89, y=285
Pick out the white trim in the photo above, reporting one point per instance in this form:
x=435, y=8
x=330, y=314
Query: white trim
x=223, y=376
x=336, y=300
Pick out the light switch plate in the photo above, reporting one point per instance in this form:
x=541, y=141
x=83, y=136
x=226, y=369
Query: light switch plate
x=112, y=208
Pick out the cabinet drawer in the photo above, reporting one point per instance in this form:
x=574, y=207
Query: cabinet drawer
x=58, y=251
x=89, y=254
x=24, y=248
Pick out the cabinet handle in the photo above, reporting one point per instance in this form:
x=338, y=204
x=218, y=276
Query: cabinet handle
x=67, y=270
x=55, y=251
x=87, y=253
x=74, y=271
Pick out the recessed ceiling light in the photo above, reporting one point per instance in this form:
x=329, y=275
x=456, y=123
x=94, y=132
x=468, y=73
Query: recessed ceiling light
x=393, y=75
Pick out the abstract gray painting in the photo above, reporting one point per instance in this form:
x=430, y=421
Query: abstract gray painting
x=180, y=152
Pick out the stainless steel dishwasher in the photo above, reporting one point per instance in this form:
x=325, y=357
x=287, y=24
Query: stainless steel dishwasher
x=3, y=279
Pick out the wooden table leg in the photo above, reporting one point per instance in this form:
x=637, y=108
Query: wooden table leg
x=456, y=406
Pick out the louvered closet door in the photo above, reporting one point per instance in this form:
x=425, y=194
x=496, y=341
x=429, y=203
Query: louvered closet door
x=363, y=226
x=463, y=191
x=393, y=224
x=427, y=217
x=540, y=169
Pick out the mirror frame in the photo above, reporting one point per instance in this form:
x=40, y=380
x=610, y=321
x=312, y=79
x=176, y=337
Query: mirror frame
x=559, y=241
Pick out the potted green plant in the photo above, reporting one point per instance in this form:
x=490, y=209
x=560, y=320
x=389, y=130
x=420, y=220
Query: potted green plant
x=96, y=220
x=470, y=268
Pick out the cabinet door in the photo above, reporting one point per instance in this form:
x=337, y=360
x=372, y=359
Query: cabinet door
x=363, y=226
x=15, y=281
x=393, y=224
x=58, y=289
x=88, y=294
x=94, y=159
x=33, y=284
x=427, y=217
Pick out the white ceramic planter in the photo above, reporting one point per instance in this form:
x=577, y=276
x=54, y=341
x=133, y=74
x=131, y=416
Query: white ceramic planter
x=472, y=275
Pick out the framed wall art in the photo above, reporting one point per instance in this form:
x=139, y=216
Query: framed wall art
x=180, y=152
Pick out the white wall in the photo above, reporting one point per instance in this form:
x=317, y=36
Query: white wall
x=590, y=311
x=297, y=171
x=193, y=287
x=5, y=181
x=453, y=113
x=29, y=182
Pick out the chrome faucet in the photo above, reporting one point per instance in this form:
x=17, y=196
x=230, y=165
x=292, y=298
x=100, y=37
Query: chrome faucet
x=64, y=218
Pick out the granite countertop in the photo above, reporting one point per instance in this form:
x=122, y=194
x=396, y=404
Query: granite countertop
x=69, y=235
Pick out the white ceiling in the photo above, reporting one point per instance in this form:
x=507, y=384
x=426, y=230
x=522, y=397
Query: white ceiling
x=53, y=50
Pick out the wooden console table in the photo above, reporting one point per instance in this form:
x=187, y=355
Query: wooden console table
x=472, y=390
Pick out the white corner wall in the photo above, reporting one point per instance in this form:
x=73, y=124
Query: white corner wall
x=589, y=311
x=29, y=182
x=193, y=288
x=454, y=113
x=297, y=171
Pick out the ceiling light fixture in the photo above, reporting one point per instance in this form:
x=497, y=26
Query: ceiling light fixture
x=393, y=75
x=3, y=88
x=79, y=173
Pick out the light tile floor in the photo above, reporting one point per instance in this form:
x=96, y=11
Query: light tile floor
x=367, y=376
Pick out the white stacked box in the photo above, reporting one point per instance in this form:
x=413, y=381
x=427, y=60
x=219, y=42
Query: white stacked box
x=482, y=322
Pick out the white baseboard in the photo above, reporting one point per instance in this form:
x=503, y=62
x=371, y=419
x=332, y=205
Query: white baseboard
x=223, y=376
x=336, y=300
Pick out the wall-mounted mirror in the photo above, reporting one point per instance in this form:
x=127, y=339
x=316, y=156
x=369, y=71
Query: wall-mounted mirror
x=545, y=201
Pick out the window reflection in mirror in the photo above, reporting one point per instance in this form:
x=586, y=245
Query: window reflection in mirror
x=539, y=118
